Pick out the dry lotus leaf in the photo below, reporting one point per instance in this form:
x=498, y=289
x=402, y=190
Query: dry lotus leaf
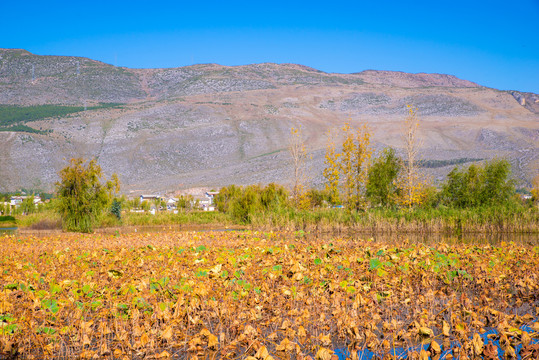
x=386, y=346
x=526, y=339
x=509, y=353
x=325, y=339
x=163, y=355
x=425, y=331
x=262, y=353
x=434, y=348
x=477, y=343
x=530, y=351
x=445, y=328
x=167, y=333
x=490, y=352
x=250, y=331
x=423, y=355
x=323, y=354
x=287, y=345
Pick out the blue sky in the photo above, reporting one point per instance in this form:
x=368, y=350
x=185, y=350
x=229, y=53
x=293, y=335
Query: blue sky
x=494, y=43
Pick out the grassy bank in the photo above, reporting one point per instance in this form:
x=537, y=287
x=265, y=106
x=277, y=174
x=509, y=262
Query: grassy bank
x=167, y=218
x=50, y=220
x=7, y=221
x=506, y=219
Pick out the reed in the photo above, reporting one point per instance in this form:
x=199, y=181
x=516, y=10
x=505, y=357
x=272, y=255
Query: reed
x=509, y=218
x=499, y=219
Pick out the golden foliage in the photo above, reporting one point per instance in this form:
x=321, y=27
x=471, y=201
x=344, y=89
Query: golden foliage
x=346, y=172
x=331, y=171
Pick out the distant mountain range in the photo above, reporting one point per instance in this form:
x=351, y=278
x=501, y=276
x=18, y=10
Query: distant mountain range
x=211, y=125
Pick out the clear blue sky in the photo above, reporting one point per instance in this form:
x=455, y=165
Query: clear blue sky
x=494, y=43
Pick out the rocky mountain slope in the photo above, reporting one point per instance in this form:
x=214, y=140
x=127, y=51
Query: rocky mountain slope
x=212, y=125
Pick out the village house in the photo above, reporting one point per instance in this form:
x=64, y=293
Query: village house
x=16, y=201
x=206, y=202
x=150, y=198
x=171, y=203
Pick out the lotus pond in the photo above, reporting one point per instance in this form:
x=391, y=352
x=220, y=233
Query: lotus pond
x=263, y=296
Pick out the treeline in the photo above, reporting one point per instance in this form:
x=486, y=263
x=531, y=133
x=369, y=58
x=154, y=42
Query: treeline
x=431, y=164
x=473, y=187
x=24, y=128
x=385, y=193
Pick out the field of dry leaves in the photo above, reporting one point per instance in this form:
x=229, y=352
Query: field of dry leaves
x=264, y=296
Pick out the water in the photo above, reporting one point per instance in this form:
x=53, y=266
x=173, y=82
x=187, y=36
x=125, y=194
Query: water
x=429, y=238
x=402, y=353
x=8, y=230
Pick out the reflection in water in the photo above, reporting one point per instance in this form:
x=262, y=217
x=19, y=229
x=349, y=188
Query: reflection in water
x=432, y=238
x=395, y=238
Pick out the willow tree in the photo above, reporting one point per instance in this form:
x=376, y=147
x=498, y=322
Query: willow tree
x=82, y=197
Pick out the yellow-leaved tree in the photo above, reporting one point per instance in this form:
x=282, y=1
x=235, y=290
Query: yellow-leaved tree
x=346, y=172
x=331, y=171
x=353, y=164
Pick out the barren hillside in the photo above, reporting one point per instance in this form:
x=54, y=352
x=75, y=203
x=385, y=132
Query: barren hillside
x=211, y=125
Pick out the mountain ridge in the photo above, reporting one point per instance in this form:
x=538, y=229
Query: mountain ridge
x=212, y=125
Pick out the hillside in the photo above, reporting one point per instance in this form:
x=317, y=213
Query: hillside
x=212, y=125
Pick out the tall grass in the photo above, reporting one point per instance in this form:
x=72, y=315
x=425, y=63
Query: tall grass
x=167, y=218
x=492, y=219
x=489, y=219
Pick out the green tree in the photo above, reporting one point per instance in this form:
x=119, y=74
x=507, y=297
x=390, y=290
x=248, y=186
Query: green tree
x=479, y=185
x=145, y=205
x=317, y=198
x=116, y=209
x=82, y=198
x=382, y=188
x=498, y=187
x=242, y=203
x=28, y=206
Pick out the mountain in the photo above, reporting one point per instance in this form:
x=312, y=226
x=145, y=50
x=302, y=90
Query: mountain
x=212, y=125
